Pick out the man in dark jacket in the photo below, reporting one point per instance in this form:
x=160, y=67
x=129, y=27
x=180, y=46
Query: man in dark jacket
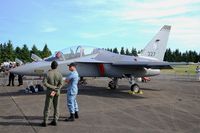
x=11, y=76
x=20, y=77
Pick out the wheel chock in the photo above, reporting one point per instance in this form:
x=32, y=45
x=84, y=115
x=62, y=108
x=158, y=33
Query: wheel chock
x=140, y=92
x=132, y=92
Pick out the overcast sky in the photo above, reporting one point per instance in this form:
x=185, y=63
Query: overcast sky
x=100, y=23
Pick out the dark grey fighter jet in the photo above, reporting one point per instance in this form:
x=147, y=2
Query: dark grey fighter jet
x=96, y=62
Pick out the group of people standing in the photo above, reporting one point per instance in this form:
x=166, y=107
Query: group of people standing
x=12, y=76
x=54, y=81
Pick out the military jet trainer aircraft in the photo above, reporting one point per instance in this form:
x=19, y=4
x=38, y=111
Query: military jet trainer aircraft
x=96, y=62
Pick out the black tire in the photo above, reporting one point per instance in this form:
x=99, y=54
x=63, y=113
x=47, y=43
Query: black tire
x=111, y=85
x=135, y=88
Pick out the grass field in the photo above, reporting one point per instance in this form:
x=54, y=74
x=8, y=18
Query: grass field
x=181, y=70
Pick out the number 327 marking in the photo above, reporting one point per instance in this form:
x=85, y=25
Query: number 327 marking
x=151, y=53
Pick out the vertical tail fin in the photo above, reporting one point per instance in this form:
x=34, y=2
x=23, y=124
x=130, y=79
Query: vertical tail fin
x=157, y=46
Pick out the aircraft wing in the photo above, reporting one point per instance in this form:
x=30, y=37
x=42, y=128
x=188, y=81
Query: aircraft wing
x=92, y=61
x=154, y=65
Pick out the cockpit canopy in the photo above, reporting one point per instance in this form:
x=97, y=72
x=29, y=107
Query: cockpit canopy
x=73, y=52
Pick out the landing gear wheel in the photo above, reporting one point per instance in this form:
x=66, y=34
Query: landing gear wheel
x=111, y=85
x=135, y=88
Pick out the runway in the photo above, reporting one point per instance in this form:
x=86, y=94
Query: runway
x=167, y=106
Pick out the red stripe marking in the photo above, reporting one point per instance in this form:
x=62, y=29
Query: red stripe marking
x=102, y=69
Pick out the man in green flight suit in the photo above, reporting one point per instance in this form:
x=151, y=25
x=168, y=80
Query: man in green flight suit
x=53, y=82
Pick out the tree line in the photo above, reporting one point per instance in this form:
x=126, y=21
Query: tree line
x=9, y=53
x=170, y=56
x=177, y=56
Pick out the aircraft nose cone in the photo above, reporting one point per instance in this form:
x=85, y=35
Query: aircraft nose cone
x=32, y=69
x=17, y=70
x=23, y=69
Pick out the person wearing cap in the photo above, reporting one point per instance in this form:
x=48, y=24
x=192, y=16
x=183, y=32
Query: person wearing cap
x=53, y=82
x=72, y=91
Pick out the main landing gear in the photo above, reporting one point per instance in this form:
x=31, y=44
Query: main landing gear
x=135, y=88
x=113, y=84
x=82, y=81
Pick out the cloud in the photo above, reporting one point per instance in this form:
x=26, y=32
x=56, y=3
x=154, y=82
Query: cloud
x=48, y=26
x=90, y=3
x=135, y=10
x=49, y=29
x=90, y=35
x=134, y=16
x=185, y=30
x=147, y=14
x=181, y=15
